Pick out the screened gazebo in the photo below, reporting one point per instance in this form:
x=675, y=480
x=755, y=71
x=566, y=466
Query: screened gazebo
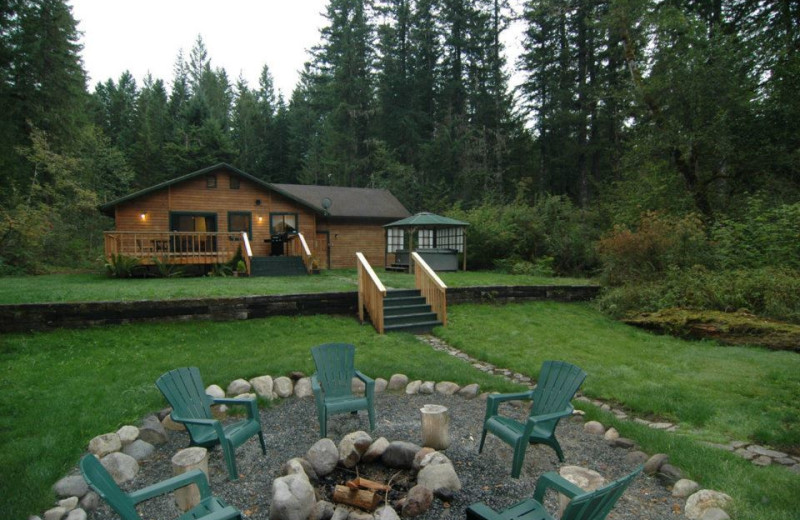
x=438, y=240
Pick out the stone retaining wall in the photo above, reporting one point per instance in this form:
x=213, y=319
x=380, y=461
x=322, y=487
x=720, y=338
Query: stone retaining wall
x=45, y=316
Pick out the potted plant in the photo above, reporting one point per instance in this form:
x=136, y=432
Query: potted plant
x=314, y=265
x=241, y=268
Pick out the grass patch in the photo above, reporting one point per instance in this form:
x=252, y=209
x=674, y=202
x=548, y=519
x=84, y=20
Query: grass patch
x=62, y=388
x=98, y=287
x=717, y=393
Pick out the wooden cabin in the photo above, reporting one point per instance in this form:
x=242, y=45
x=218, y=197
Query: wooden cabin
x=204, y=217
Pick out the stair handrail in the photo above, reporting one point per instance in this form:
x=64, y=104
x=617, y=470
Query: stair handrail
x=248, y=251
x=303, y=252
x=431, y=287
x=371, y=293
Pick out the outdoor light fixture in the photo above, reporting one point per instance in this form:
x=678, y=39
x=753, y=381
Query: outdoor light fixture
x=143, y=216
x=260, y=219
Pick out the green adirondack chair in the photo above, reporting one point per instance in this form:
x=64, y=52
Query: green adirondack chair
x=557, y=384
x=191, y=406
x=584, y=505
x=332, y=384
x=209, y=508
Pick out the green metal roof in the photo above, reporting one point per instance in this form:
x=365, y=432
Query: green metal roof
x=428, y=220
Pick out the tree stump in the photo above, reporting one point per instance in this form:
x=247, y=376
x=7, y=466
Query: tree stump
x=435, y=426
x=186, y=460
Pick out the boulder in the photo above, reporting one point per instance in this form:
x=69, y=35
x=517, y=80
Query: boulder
x=684, y=487
x=323, y=510
x=358, y=387
x=470, y=391
x=446, y=388
x=90, y=501
x=292, y=498
x=669, y=474
x=433, y=458
x=104, y=444
x=123, y=468
x=622, y=442
x=427, y=388
x=397, y=382
x=400, y=454
x=215, y=391
x=128, y=434
x=152, y=431
x=418, y=501
x=594, y=428
x=715, y=513
x=412, y=388
x=262, y=386
x=171, y=425
x=386, y=513
x=323, y=456
x=297, y=466
x=417, y=464
x=375, y=450
x=704, y=499
x=380, y=385
x=302, y=388
x=139, y=449
x=439, y=476
x=635, y=458
x=76, y=514
x=55, y=513
x=73, y=485
x=352, y=446
x=611, y=434
x=283, y=386
x=68, y=503
x=238, y=386
x=584, y=478
x=654, y=463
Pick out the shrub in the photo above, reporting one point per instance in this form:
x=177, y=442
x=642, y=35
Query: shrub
x=770, y=292
x=660, y=242
x=121, y=266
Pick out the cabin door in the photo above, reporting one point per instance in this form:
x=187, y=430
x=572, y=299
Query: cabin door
x=322, y=248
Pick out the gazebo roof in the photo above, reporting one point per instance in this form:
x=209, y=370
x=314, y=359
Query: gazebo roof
x=427, y=220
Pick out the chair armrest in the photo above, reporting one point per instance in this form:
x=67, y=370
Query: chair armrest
x=250, y=403
x=532, y=421
x=480, y=511
x=190, y=477
x=186, y=420
x=315, y=386
x=493, y=400
x=552, y=480
x=368, y=382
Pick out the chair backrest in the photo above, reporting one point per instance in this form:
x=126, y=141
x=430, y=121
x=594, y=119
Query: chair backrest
x=558, y=381
x=335, y=364
x=99, y=479
x=184, y=389
x=596, y=504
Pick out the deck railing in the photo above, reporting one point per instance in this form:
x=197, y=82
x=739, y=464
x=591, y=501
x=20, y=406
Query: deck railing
x=175, y=247
x=371, y=293
x=431, y=287
x=299, y=247
x=247, y=253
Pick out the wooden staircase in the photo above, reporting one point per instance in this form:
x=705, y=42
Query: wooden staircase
x=277, y=266
x=406, y=310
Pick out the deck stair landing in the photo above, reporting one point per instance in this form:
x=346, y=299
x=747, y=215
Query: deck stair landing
x=277, y=266
x=405, y=310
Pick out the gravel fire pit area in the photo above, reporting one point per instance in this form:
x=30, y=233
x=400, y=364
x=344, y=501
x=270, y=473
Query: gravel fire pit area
x=291, y=429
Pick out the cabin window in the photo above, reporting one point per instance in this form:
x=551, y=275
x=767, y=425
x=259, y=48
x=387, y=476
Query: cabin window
x=239, y=221
x=395, y=238
x=234, y=182
x=282, y=223
x=211, y=181
x=425, y=238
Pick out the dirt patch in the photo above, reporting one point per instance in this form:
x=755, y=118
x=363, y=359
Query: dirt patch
x=729, y=328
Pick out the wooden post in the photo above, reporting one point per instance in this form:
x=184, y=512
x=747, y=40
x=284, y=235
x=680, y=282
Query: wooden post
x=435, y=426
x=186, y=460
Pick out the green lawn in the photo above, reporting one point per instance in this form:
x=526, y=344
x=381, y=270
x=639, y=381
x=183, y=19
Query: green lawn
x=98, y=287
x=62, y=388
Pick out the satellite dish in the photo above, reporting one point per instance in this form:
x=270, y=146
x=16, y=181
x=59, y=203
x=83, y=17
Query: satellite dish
x=326, y=203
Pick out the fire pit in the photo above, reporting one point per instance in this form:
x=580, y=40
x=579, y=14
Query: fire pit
x=362, y=474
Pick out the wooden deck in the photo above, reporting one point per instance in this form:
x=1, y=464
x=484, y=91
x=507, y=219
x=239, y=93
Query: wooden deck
x=173, y=247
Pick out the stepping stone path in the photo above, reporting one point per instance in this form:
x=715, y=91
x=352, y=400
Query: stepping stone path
x=758, y=455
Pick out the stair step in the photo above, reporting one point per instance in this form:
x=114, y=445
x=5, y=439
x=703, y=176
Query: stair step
x=419, y=327
x=395, y=301
x=406, y=309
x=409, y=319
x=400, y=293
x=277, y=266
